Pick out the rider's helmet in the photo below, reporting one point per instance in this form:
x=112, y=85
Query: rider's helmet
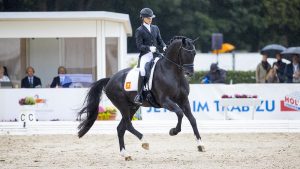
x=146, y=13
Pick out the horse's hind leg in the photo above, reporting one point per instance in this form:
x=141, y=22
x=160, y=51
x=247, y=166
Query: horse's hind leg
x=125, y=124
x=121, y=132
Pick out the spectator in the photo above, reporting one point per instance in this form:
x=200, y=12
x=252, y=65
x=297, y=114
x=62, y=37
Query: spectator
x=30, y=81
x=261, y=70
x=215, y=75
x=61, y=80
x=5, y=71
x=292, y=70
x=272, y=76
x=279, y=67
x=3, y=77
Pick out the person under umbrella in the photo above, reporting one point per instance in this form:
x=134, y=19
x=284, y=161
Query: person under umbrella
x=292, y=70
x=262, y=69
x=279, y=67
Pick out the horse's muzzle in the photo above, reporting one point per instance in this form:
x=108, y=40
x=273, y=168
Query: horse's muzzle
x=188, y=69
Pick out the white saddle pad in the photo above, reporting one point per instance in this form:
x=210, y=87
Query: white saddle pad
x=131, y=81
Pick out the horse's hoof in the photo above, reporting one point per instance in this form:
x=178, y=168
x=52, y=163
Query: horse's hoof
x=145, y=146
x=173, y=132
x=128, y=158
x=201, y=148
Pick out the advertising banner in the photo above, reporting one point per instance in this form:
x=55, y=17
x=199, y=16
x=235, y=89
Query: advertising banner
x=277, y=102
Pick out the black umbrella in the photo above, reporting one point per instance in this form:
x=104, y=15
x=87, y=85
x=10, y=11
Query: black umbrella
x=289, y=52
x=272, y=50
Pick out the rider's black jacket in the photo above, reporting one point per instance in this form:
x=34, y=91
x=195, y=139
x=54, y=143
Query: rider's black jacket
x=145, y=39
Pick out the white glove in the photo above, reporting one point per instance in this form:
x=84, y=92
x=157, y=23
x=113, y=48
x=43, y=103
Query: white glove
x=164, y=48
x=152, y=49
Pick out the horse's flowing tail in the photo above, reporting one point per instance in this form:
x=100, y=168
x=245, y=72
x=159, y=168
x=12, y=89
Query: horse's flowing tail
x=91, y=104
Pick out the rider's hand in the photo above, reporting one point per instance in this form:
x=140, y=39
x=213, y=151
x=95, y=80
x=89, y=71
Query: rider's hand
x=164, y=48
x=152, y=49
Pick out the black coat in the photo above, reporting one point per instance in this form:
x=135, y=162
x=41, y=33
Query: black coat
x=288, y=72
x=218, y=76
x=145, y=39
x=25, y=82
x=280, y=71
x=56, y=82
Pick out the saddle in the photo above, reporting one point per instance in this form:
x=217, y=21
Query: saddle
x=131, y=81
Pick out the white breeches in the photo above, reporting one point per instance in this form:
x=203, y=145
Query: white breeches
x=144, y=59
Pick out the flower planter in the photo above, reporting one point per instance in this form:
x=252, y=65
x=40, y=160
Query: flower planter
x=107, y=113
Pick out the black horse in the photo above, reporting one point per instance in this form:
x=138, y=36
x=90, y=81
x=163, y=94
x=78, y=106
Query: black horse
x=170, y=90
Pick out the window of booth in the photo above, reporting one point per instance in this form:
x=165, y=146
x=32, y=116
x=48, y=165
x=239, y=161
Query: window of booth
x=13, y=58
x=45, y=55
x=111, y=54
x=80, y=56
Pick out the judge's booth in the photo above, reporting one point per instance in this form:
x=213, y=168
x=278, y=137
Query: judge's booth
x=90, y=45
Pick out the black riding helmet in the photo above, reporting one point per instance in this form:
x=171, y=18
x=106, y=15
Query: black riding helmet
x=147, y=13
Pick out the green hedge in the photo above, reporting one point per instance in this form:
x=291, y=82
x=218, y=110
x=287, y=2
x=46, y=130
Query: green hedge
x=235, y=76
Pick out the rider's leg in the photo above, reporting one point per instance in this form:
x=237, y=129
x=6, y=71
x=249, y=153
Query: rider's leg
x=143, y=60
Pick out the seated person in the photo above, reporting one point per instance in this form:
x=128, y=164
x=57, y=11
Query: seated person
x=3, y=77
x=61, y=80
x=5, y=71
x=215, y=75
x=31, y=81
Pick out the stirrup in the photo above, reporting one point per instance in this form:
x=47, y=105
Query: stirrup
x=138, y=99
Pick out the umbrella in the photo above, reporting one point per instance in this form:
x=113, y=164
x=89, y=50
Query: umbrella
x=226, y=47
x=289, y=52
x=272, y=49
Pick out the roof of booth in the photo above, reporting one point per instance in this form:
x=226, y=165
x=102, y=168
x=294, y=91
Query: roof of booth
x=82, y=15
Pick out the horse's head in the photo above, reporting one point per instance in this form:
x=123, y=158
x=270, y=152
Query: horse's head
x=181, y=52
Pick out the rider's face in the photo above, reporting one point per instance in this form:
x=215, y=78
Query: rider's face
x=148, y=20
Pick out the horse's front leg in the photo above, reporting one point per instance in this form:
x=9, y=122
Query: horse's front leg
x=187, y=112
x=172, y=106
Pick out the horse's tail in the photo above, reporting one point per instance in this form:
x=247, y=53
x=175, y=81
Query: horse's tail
x=91, y=105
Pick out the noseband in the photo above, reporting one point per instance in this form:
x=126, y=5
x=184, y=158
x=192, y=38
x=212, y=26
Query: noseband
x=180, y=65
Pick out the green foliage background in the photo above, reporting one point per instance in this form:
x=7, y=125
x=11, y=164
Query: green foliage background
x=248, y=24
x=231, y=76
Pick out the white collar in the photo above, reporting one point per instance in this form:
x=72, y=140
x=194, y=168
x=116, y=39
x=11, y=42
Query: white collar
x=147, y=26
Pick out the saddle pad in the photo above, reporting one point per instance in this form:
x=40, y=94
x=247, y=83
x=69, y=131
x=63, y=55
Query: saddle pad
x=131, y=80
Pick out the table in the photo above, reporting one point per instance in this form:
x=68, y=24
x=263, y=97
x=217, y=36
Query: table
x=251, y=102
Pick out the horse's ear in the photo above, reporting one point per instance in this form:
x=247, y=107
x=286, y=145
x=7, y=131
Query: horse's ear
x=183, y=41
x=196, y=39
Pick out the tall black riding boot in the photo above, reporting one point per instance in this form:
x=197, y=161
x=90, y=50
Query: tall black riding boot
x=139, y=97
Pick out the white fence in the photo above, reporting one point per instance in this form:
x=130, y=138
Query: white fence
x=243, y=61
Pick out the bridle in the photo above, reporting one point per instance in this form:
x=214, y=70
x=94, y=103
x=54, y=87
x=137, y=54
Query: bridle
x=180, y=65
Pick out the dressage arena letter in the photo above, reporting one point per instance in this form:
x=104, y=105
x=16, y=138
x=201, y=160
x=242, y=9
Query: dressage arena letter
x=27, y=116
